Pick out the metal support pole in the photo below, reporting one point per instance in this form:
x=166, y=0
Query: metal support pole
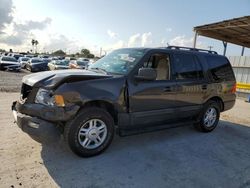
x=101, y=52
x=242, y=51
x=225, y=47
x=195, y=39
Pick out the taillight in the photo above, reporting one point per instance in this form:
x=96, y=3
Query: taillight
x=233, y=90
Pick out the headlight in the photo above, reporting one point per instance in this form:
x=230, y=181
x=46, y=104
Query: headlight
x=45, y=97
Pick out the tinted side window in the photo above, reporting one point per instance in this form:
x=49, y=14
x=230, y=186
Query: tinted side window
x=220, y=69
x=187, y=67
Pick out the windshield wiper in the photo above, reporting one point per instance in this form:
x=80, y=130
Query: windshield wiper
x=100, y=70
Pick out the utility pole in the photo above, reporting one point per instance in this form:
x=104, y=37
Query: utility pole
x=210, y=47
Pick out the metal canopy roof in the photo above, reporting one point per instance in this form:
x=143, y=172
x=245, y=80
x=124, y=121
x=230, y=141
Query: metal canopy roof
x=236, y=31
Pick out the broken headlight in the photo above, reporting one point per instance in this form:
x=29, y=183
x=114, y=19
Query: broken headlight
x=45, y=97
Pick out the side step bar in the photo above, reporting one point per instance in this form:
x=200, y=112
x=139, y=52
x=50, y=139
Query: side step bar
x=137, y=130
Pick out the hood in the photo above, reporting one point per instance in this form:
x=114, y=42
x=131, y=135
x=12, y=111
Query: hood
x=51, y=79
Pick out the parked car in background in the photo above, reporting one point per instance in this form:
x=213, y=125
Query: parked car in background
x=70, y=58
x=23, y=61
x=9, y=63
x=36, y=65
x=79, y=64
x=44, y=56
x=29, y=56
x=17, y=56
x=58, y=64
x=46, y=60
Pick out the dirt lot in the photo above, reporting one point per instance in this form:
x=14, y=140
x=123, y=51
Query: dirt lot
x=11, y=81
x=180, y=157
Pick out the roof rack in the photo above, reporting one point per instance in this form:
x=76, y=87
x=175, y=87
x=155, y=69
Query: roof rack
x=191, y=49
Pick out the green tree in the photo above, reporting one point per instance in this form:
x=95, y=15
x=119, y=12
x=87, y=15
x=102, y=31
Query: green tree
x=85, y=52
x=59, y=53
x=90, y=56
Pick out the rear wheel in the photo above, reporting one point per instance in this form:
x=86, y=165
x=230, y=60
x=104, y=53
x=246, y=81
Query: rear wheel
x=90, y=132
x=209, y=117
x=28, y=67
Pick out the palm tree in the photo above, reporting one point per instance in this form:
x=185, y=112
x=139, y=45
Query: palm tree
x=33, y=43
x=36, y=43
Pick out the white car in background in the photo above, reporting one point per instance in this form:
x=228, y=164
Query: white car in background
x=58, y=64
x=23, y=61
x=9, y=63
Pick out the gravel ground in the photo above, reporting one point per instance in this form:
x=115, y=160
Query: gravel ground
x=180, y=157
x=11, y=81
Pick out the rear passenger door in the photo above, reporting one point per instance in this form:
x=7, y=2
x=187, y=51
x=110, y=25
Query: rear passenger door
x=191, y=84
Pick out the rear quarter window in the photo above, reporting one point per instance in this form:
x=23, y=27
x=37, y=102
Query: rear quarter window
x=219, y=69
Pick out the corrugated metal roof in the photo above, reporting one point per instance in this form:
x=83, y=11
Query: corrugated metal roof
x=236, y=31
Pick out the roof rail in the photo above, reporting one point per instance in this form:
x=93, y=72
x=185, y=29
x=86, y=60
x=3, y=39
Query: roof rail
x=191, y=49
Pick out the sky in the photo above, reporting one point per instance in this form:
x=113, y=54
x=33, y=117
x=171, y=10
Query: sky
x=94, y=24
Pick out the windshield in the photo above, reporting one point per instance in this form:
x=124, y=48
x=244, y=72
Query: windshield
x=24, y=58
x=119, y=61
x=82, y=63
x=9, y=59
x=62, y=62
x=37, y=60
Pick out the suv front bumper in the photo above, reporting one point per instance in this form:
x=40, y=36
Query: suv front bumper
x=31, y=115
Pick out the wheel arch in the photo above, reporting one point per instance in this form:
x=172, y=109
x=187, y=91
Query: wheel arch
x=104, y=105
x=218, y=100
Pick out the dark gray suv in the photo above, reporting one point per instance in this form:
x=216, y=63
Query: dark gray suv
x=130, y=90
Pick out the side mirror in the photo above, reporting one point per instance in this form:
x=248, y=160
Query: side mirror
x=148, y=74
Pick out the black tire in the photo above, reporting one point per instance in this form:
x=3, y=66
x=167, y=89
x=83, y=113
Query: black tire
x=201, y=125
x=72, y=129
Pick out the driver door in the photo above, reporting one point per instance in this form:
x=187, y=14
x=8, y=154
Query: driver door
x=153, y=102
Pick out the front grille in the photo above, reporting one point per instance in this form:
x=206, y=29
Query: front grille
x=25, y=91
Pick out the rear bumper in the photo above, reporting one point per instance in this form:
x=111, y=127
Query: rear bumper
x=228, y=105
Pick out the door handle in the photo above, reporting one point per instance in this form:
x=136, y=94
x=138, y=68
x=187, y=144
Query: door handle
x=167, y=89
x=204, y=87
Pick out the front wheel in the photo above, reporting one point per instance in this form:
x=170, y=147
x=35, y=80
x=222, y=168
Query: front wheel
x=90, y=132
x=209, y=117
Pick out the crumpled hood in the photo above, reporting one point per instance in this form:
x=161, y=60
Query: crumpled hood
x=51, y=79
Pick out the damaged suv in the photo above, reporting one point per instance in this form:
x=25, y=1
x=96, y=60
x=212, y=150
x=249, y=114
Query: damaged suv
x=128, y=91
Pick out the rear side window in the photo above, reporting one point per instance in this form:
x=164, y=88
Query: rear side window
x=187, y=67
x=220, y=69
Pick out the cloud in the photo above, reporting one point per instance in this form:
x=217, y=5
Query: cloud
x=181, y=41
x=32, y=25
x=59, y=41
x=164, y=42
x=134, y=40
x=116, y=45
x=6, y=8
x=21, y=32
x=112, y=34
x=146, y=39
x=169, y=29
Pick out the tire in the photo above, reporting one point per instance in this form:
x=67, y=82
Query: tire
x=206, y=123
x=76, y=138
x=29, y=68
